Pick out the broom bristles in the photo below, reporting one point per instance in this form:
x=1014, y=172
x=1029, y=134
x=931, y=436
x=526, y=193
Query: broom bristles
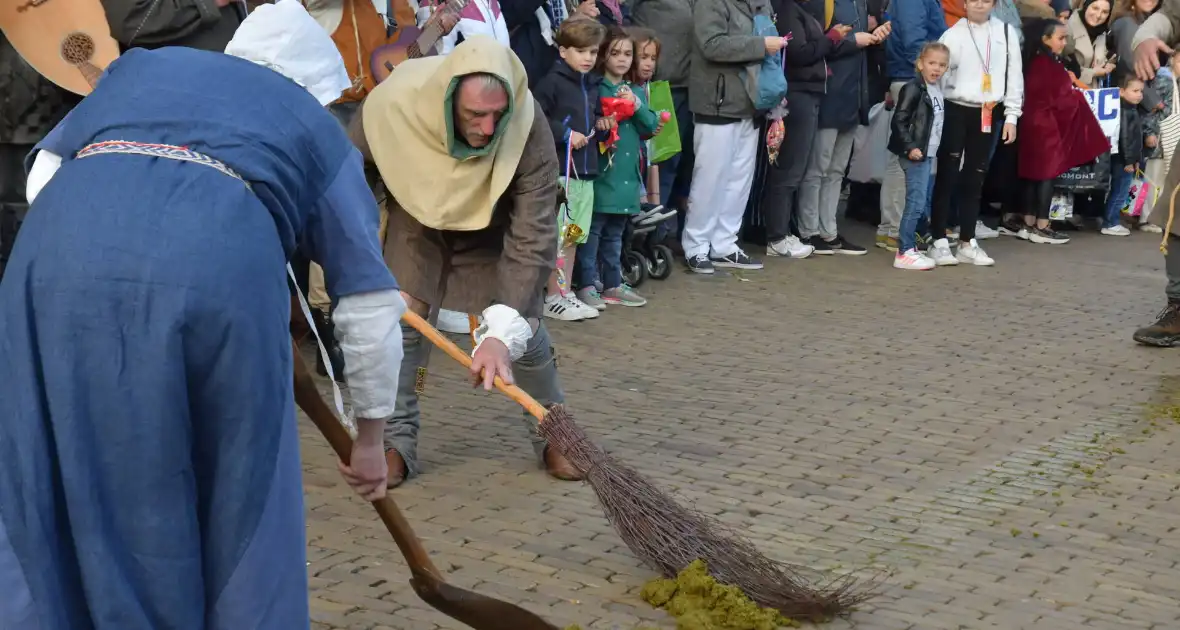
x=668, y=536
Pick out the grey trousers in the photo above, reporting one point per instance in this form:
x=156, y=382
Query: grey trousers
x=535, y=373
x=1172, y=266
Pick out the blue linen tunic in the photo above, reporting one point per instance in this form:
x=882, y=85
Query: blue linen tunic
x=149, y=457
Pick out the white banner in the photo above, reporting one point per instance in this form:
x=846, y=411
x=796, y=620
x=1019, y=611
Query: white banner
x=1105, y=105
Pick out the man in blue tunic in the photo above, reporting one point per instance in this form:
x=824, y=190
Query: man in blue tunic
x=151, y=474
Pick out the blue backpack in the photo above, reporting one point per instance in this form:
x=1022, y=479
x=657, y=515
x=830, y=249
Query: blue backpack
x=772, y=83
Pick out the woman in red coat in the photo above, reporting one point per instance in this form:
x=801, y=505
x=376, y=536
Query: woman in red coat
x=1058, y=128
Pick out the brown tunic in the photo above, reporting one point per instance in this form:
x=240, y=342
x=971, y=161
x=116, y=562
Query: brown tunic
x=508, y=262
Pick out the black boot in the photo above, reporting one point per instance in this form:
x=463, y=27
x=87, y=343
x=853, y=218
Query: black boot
x=1165, y=332
x=327, y=332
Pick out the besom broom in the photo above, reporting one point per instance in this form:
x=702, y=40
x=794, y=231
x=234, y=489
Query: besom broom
x=666, y=535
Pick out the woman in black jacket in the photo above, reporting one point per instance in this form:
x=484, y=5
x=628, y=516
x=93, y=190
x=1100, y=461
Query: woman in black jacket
x=807, y=75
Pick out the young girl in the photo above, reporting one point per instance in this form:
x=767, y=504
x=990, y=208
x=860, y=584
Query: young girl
x=1059, y=127
x=643, y=70
x=984, y=93
x=916, y=132
x=617, y=189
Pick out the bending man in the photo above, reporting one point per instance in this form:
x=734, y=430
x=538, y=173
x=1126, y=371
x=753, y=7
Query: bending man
x=471, y=170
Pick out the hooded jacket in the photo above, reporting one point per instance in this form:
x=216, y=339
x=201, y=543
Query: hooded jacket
x=726, y=60
x=570, y=101
x=806, y=65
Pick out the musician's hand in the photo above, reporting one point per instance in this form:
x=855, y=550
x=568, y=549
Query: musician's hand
x=578, y=140
x=447, y=20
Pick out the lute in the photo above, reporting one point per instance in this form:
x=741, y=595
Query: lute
x=67, y=41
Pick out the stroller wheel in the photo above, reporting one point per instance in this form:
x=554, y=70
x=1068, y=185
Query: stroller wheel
x=634, y=268
x=659, y=266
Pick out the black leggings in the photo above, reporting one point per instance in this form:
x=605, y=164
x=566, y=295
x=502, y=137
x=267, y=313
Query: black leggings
x=962, y=138
x=1038, y=196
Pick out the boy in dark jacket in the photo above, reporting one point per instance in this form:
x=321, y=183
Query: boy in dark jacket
x=568, y=96
x=1124, y=163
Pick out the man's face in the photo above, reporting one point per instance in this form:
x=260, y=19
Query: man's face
x=478, y=109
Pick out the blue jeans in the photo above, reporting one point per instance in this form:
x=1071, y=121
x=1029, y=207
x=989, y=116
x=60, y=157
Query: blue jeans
x=1120, y=189
x=604, y=244
x=676, y=171
x=919, y=188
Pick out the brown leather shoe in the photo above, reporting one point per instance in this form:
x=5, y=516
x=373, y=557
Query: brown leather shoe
x=397, y=468
x=559, y=467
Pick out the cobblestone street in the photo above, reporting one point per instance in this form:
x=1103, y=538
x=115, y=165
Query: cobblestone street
x=984, y=433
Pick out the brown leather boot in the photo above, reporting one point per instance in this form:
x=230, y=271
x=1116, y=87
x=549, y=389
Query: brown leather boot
x=1165, y=332
x=559, y=467
x=397, y=468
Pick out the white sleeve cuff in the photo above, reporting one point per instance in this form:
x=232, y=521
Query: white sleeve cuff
x=505, y=323
x=370, y=335
x=44, y=166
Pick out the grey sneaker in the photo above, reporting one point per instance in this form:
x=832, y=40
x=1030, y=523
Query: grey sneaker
x=590, y=297
x=698, y=264
x=623, y=296
x=736, y=260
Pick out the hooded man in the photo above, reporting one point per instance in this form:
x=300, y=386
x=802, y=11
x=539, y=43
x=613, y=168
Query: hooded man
x=471, y=169
x=151, y=473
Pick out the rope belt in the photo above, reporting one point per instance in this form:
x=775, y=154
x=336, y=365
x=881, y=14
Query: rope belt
x=167, y=151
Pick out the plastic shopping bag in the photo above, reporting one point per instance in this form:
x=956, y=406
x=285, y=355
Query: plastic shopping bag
x=870, y=147
x=1142, y=196
x=667, y=143
x=1061, y=206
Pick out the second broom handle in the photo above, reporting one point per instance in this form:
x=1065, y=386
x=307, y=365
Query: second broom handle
x=440, y=341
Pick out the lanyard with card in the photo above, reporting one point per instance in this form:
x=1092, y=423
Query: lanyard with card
x=985, y=121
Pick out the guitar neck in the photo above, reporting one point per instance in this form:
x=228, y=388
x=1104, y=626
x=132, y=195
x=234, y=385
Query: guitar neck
x=429, y=37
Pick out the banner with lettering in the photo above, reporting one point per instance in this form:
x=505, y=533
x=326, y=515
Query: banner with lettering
x=1105, y=105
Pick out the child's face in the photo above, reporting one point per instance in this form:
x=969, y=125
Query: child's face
x=932, y=65
x=1055, y=41
x=580, y=59
x=645, y=65
x=1133, y=93
x=978, y=11
x=618, y=60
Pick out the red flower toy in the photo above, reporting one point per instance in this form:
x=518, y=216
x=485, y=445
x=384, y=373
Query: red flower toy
x=620, y=109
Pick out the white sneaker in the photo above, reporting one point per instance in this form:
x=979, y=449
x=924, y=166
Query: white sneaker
x=1024, y=234
x=1118, y=230
x=789, y=247
x=561, y=308
x=453, y=322
x=973, y=254
x=1151, y=228
x=913, y=259
x=587, y=311
x=982, y=231
x=940, y=253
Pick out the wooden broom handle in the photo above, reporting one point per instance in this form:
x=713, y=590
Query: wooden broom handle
x=440, y=341
x=309, y=400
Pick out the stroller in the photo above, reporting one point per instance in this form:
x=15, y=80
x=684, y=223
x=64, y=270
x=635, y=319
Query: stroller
x=643, y=256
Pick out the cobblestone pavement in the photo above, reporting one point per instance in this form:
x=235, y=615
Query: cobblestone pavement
x=985, y=434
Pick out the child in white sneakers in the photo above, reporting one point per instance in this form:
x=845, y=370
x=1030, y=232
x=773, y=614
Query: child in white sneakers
x=915, y=133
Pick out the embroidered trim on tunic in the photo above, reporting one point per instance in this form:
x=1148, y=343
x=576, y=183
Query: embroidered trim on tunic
x=168, y=151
